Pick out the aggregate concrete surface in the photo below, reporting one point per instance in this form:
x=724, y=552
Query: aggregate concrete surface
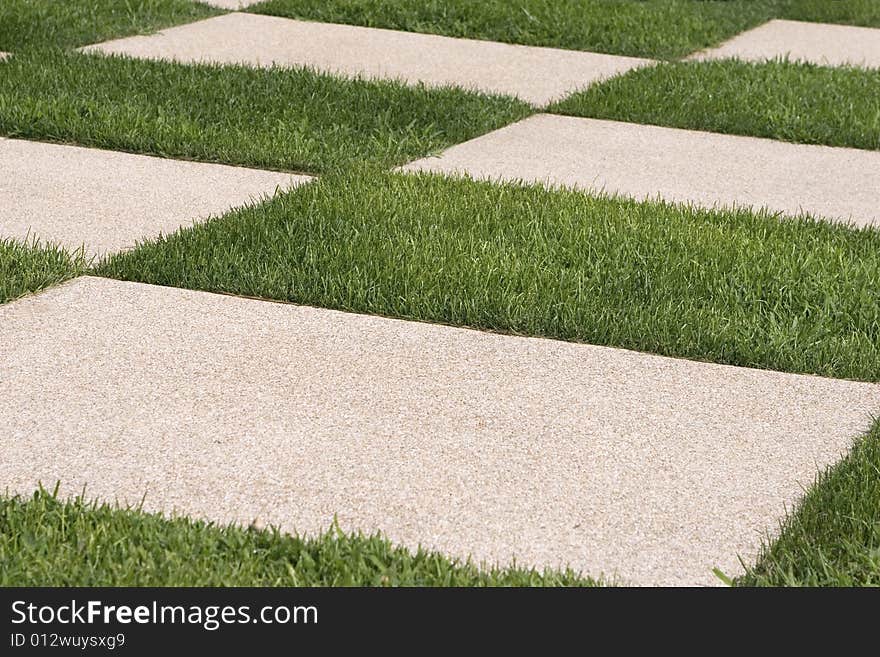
x=826, y=45
x=643, y=161
x=648, y=469
x=107, y=201
x=231, y=4
x=536, y=75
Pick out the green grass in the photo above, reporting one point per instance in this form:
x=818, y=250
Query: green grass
x=728, y=287
x=833, y=537
x=656, y=28
x=850, y=12
x=664, y=29
x=659, y=28
x=27, y=267
x=781, y=100
x=287, y=119
x=47, y=542
x=26, y=24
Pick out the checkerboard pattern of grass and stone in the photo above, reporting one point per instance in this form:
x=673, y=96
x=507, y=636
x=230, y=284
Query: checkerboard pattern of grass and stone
x=440, y=293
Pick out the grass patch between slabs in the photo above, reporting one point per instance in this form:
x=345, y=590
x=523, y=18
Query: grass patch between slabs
x=756, y=290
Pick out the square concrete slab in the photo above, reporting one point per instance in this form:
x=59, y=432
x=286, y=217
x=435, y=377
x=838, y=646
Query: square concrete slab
x=827, y=45
x=536, y=75
x=651, y=469
x=645, y=161
x=107, y=201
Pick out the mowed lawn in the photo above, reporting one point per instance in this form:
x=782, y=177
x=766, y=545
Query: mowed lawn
x=833, y=537
x=29, y=24
x=45, y=541
x=660, y=29
x=737, y=287
x=27, y=267
x=797, y=102
x=663, y=29
x=746, y=289
x=285, y=119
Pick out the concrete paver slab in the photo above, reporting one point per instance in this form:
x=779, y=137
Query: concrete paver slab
x=536, y=75
x=230, y=4
x=107, y=200
x=649, y=468
x=645, y=161
x=827, y=45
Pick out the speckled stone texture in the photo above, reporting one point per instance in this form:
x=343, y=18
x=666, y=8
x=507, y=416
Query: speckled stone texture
x=107, y=201
x=827, y=45
x=230, y=4
x=650, y=469
x=645, y=161
x=536, y=75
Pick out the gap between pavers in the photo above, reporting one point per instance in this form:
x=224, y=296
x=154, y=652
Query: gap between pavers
x=644, y=161
x=107, y=201
x=536, y=75
x=649, y=468
x=827, y=45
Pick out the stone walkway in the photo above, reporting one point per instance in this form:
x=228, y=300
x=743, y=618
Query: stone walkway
x=107, y=201
x=826, y=45
x=651, y=469
x=677, y=165
x=536, y=75
x=646, y=469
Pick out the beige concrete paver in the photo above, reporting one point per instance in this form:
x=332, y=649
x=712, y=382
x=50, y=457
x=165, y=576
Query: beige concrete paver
x=828, y=45
x=648, y=468
x=230, y=4
x=645, y=161
x=107, y=201
x=536, y=75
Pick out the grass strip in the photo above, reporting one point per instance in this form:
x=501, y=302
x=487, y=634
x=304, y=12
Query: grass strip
x=48, y=542
x=664, y=29
x=849, y=12
x=782, y=100
x=833, y=537
x=30, y=267
x=660, y=28
x=285, y=119
x=26, y=24
x=725, y=286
